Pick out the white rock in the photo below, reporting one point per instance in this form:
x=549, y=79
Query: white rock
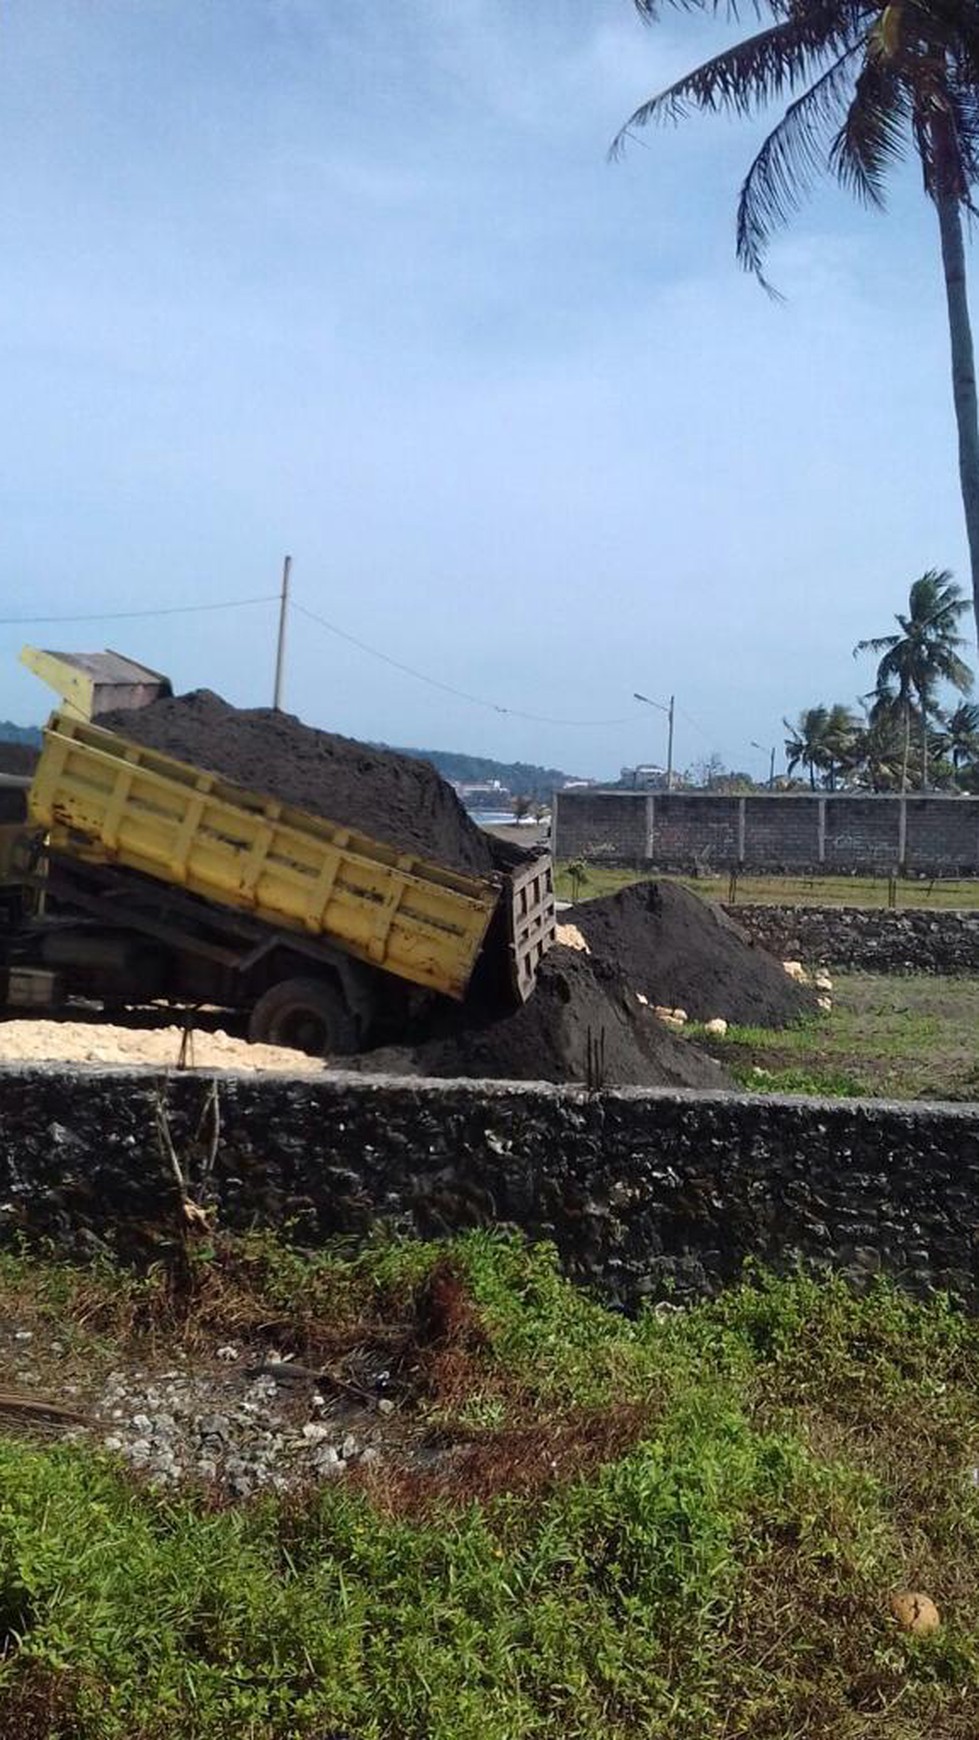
x=112, y=1442
x=718, y=1026
x=824, y=1003
x=315, y=1432
x=823, y=982
x=23, y=1335
x=385, y=1405
x=795, y=970
x=228, y=1354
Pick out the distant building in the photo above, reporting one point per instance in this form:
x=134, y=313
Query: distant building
x=646, y=777
x=482, y=794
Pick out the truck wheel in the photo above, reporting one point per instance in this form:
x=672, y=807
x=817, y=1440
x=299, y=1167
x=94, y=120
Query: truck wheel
x=306, y=1015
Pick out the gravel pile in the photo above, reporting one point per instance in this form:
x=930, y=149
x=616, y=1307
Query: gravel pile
x=241, y=1435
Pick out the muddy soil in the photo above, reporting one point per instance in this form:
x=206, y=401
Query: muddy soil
x=393, y=798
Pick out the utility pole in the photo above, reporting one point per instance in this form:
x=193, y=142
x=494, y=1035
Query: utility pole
x=669, y=711
x=280, y=651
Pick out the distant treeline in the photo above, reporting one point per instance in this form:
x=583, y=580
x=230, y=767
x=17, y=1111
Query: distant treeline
x=522, y=778
x=10, y=733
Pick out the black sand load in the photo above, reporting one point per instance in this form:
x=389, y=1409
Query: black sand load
x=393, y=798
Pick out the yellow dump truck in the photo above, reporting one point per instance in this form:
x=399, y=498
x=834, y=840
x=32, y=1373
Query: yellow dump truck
x=156, y=879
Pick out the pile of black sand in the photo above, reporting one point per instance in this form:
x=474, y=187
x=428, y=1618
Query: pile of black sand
x=686, y=953
x=391, y=797
x=547, y=1039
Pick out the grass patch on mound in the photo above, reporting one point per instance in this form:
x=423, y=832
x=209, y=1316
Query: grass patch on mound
x=694, y=1525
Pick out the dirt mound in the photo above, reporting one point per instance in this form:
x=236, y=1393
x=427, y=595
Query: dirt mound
x=686, y=953
x=548, y=1038
x=392, y=797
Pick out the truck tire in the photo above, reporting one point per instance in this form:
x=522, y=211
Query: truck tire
x=306, y=1015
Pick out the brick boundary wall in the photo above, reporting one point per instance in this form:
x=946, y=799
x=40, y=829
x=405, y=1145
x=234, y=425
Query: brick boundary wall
x=683, y=831
x=642, y=1191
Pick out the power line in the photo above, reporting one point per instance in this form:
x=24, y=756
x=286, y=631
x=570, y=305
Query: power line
x=449, y=688
x=126, y=615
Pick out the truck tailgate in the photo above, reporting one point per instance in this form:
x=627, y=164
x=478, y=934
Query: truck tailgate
x=531, y=921
x=105, y=798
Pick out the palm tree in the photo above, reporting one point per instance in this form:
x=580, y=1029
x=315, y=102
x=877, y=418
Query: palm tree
x=839, y=738
x=960, y=739
x=868, y=80
x=806, y=744
x=879, y=760
x=924, y=654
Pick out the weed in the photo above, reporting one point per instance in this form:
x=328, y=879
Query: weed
x=683, y=1526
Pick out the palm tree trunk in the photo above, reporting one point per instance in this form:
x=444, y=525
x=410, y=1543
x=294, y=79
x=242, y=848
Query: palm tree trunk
x=907, y=746
x=924, y=748
x=963, y=374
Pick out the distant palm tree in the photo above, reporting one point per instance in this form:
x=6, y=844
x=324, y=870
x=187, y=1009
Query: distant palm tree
x=960, y=738
x=879, y=749
x=806, y=744
x=839, y=738
x=869, y=80
x=923, y=655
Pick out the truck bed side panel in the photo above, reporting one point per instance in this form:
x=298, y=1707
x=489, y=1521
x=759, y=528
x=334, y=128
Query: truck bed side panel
x=105, y=798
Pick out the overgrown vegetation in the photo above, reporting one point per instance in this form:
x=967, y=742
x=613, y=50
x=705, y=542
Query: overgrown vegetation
x=717, y=1565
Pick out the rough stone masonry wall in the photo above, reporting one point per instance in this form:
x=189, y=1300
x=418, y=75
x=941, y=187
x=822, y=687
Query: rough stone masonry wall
x=934, y=836
x=642, y=1191
x=862, y=940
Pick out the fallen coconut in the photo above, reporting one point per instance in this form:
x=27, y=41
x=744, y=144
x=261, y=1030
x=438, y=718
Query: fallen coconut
x=915, y=1612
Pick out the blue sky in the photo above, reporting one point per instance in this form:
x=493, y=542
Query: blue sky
x=357, y=282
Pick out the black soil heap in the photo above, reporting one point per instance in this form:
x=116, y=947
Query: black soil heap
x=576, y=998
x=393, y=798
x=686, y=953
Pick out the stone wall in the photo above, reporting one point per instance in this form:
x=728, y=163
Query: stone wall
x=864, y=940
x=935, y=836
x=642, y=1191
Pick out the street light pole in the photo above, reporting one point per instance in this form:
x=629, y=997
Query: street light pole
x=771, y=762
x=670, y=712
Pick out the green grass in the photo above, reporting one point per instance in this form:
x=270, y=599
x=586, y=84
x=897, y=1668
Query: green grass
x=780, y=890
x=887, y=1037
x=788, y=1456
